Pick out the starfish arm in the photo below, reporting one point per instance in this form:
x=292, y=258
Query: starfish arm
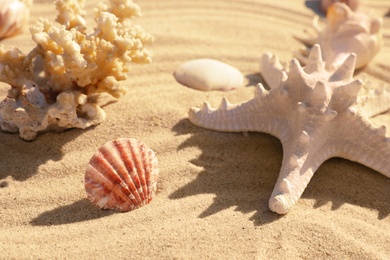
x=361, y=142
x=300, y=161
x=374, y=101
x=271, y=70
x=261, y=114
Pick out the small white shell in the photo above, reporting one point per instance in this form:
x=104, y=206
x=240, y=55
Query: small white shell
x=14, y=14
x=122, y=175
x=208, y=74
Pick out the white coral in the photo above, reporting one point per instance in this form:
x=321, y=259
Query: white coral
x=70, y=69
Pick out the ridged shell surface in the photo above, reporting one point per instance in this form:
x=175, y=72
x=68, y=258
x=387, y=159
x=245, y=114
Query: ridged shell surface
x=14, y=14
x=122, y=175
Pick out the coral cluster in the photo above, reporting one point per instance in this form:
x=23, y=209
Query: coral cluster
x=61, y=82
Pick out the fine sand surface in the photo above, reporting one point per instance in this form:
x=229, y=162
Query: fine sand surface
x=213, y=191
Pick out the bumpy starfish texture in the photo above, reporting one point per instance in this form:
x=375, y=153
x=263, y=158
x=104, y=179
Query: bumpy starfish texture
x=316, y=115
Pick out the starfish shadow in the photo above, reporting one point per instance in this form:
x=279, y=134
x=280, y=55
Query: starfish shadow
x=240, y=170
x=341, y=181
x=254, y=79
x=244, y=171
x=20, y=159
x=79, y=211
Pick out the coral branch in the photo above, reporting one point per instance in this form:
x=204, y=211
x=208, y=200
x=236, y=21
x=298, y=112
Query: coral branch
x=69, y=68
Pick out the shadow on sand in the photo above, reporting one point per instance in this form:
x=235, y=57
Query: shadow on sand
x=252, y=173
x=78, y=211
x=20, y=159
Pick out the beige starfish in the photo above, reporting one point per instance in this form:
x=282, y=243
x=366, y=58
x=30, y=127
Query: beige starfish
x=316, y=115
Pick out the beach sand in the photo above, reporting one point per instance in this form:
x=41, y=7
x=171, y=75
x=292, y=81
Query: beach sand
x=213, y=189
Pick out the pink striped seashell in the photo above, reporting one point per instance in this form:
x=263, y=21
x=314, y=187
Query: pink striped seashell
x=122, y=175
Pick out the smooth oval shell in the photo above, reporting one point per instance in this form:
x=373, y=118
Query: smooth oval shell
x=208, y=74
x=122, y=175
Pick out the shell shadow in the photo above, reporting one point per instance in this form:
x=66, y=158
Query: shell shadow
x=20, y=159
x=79, y=211
x=245, y=170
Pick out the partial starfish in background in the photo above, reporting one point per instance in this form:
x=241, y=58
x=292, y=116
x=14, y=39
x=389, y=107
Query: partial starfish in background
x=316, y=115
x=346, y=31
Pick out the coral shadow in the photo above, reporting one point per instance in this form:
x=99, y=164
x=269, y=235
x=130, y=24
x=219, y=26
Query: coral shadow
x=244, y=171
x=20, y=159
x=79, y=211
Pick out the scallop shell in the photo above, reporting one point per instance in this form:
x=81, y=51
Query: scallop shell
x=122, y=175
x=208, y=74
x=14, y=14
